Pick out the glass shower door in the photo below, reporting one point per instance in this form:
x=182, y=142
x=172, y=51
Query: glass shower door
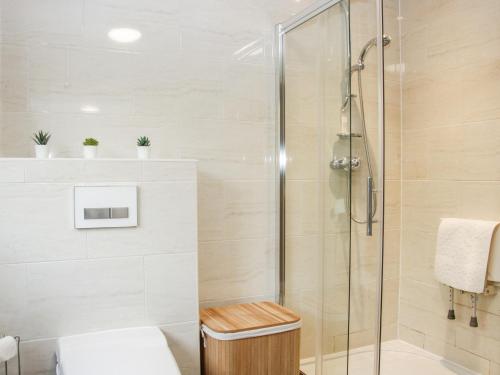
x=315, y=145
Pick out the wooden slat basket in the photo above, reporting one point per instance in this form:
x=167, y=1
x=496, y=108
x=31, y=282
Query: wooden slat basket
x=250, y=339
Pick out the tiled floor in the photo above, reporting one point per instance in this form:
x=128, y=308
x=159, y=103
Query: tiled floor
x=398, y=358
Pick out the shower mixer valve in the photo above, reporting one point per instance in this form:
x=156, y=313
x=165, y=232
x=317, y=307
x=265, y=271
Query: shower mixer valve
x=343, y=163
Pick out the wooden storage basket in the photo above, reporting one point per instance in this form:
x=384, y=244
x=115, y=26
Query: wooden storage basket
x=250, y=339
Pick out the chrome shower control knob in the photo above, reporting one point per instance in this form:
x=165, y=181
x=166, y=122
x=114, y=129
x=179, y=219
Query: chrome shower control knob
x=345, y=164
x=355, y=163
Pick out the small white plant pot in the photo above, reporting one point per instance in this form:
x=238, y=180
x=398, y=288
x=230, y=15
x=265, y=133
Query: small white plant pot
x=41, y=151
x=143, y=152
x=89, y=152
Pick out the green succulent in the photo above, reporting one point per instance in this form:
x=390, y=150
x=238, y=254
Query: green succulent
x=41, y=137
x=143, y=141
x=90, y=142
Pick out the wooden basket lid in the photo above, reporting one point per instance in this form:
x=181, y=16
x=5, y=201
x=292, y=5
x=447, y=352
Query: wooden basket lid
x=247, y=317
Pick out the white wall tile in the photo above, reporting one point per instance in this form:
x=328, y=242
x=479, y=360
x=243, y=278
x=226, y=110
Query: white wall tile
x=13, y=298
x=162, y=171
x=12, y=170
x=179, y=301
x=111, y=171
x=38, y=357
x=231, y=269
x=80, y=296
x=37, y=224
x=56, y=171
x=184, y=341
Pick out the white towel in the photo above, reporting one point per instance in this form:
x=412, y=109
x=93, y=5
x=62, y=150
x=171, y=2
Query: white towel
x=8, y=348
x=463, y=249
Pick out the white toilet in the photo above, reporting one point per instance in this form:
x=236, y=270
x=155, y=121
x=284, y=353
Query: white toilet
x=129, y=351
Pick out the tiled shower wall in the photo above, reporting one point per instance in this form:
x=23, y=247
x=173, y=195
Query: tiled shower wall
x=451, y=156
x=199, y=83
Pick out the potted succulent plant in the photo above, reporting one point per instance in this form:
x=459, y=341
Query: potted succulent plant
x=90, y=148
x=41, y=140
x=143, y=147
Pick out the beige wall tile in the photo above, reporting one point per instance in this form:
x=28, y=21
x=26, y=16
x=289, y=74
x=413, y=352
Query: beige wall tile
x=457, y=355
x=451, y=144
x=411, y=336
x=494, y=368
x=482, y=346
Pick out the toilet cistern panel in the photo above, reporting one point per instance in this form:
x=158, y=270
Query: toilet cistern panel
x=105, y=206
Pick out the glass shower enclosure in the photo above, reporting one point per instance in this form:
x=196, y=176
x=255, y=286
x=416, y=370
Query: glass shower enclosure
x=331, y=191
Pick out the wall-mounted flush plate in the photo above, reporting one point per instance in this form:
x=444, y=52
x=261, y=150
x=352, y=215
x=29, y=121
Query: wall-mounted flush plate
x=105, y=206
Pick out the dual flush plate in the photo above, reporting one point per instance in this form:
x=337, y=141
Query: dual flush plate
x=105, y=206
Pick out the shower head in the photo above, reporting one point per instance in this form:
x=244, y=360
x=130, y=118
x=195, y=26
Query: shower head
x=372, y=42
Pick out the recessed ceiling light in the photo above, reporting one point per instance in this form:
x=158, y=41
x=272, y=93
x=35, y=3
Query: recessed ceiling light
x=124, y=35
x=89, y=109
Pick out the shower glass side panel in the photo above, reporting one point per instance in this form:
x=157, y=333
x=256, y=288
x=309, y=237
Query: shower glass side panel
x=315, y=171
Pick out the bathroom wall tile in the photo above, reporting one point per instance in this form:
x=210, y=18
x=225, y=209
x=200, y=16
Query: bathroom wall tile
x=81, y=296
x=244, y=267
x=418, y=255
x=14, y=78
x=47, y=64
x=443, y=105
x=111, y=171
x=45, y=98
x=480, y=93
x=38, y=357
x=457, y=355
x=256, y=298
x=432, y=325
x=425, y=202
x=302, y=207
x=393, y=204
x=32, y=22
x=306, y=303
x=246, y=209
x=167, y=224
x=156, y=6
x=55, y=171
x=18, y=128
x=424, y=147
x=476, y=160
x=482, y=346
x=302, y=154
x=211, y=211
x=304, y=256
x=12, y=170
x=486, y=201
x=160, y=29
x=490, y=321
x=450, y=115
x=164, y=171
x=432, y=297
x=45, y=212
x=480, y=151
x=171, y=305
x=13, y=298
x=411, y=336
x=103, y=70
x=184, y=340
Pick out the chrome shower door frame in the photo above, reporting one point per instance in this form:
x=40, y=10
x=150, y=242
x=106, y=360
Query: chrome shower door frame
x=281, y=30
